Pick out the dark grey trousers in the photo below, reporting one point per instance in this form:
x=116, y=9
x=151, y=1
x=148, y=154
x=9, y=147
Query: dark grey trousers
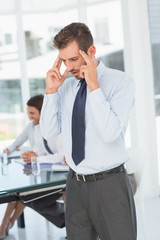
x=102, y=209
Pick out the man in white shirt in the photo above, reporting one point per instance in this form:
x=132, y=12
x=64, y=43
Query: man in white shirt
x=99, y=197
x=34, y=105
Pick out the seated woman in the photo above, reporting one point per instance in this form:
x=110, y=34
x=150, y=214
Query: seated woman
x=34, y=106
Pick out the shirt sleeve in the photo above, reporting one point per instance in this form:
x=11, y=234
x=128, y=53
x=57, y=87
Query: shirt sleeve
x=111, y=115
x=49, y=120
x=20, y=140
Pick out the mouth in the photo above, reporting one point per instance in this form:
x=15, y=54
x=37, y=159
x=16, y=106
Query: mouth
x=75, y=72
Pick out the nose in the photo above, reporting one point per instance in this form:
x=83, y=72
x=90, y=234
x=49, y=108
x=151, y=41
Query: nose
x=69, y=65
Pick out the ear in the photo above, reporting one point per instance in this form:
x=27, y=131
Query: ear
x=91, y=51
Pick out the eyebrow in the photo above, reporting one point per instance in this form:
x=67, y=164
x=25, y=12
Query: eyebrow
x=69, y=58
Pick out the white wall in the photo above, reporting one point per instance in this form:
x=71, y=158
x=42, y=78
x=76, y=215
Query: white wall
x=138, y=62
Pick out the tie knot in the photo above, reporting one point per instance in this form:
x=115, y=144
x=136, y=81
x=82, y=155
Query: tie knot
x=82, y=82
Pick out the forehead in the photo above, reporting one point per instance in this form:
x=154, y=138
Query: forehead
x=70, y=51
x=31, y=109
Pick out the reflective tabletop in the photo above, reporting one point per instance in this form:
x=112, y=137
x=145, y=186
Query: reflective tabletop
x=16, y=178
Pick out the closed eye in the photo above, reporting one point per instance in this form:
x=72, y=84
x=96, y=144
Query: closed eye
x=74, y=59
x=71, y=59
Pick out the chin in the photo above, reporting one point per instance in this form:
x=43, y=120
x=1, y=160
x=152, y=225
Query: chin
x=78, y=77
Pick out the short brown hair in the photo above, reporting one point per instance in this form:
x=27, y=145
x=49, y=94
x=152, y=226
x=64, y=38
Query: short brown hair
x=78, y=32
x=36, y=101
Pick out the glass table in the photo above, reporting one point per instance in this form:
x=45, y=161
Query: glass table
x=17, y=181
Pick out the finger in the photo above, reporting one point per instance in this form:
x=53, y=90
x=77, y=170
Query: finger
x=82, y=75
x=29, y=152
x=33, y=153
x=85, y=57
x=26, y=152
x=54, y=73
x=24, y=158
x=27, y=160
x=25, y=155
x=65, y=73
x=57, y=63
x=83, y=71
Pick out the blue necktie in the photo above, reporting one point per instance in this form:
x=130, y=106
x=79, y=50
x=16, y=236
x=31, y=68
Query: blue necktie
x=78, y=124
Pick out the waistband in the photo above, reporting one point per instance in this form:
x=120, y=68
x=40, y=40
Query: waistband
x=96, y=176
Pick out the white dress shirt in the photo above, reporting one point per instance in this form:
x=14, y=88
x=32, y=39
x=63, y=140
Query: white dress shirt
x=26, y=135
x=55, y=145
x=107, y=113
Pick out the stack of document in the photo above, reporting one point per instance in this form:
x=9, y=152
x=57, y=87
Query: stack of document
x=60, y=166
x=57, y=167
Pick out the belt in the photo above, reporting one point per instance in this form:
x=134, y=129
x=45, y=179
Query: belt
x=96, y=176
